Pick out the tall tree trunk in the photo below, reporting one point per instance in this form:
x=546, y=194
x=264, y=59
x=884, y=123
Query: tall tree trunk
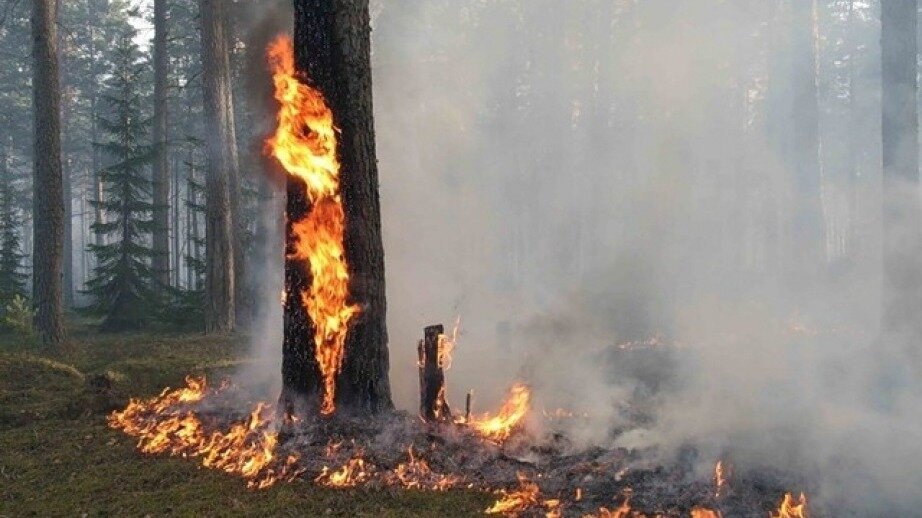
x=66, y=167
x=220, y=286
x=48, y=198
x=332, y=48
x=902, y=214
x=174, y=207
x=161, y=168
x=807, y=232
x=241, y=296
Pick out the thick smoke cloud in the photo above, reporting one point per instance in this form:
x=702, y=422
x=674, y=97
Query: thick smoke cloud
x=570, y=175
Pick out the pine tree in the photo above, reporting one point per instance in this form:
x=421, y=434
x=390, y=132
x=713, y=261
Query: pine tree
x=12, y=277
x=122, y=287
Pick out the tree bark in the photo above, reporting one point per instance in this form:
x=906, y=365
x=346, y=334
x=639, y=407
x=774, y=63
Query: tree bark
x=332, y=47
x=161, y=167
x=220, y=286
x=433, y=405
x=902, y=214
x=48, y=198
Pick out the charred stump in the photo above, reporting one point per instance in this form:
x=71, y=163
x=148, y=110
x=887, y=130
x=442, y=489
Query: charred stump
x=432, y=403
x=332, y=51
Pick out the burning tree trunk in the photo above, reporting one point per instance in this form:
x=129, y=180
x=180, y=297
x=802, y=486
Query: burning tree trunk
x=332, y=53
x=432, y=403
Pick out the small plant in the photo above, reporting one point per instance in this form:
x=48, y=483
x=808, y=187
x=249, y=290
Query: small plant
x=17, y=316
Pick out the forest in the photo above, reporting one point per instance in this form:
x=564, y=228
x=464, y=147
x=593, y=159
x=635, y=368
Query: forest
x=588, y=258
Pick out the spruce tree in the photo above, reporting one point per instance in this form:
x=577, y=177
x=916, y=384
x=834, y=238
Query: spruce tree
x=12, y=277
x=122, y=287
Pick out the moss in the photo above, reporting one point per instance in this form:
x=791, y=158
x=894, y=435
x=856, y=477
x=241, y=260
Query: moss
x=58, y=458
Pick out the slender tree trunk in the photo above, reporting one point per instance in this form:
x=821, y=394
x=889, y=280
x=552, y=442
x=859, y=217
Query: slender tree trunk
x=174, y=207
x=66, y=167
x=161, y=167
x=190, y=224
x=241, y=293
x=48, y=198
x=332, y=47
x=807, y=232
x=220, y=286
x=902, y=214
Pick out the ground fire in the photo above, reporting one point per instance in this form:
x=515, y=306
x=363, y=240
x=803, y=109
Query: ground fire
x=529, y=472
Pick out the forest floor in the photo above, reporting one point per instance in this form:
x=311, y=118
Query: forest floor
x=59, y=458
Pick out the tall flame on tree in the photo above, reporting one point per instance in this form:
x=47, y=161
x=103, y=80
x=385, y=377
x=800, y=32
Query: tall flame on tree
x=304, y=144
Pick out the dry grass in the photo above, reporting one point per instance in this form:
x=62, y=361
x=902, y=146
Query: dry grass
x=58, y=458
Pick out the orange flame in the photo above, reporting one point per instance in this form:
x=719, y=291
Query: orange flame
x=447, y=344
x=246, y=449
x=514, y=408
x=351, y=474
x=701, y=512
x=305, y=145
x=790, y=509
x=416, y=474
x=623, y=511
x=517, y=500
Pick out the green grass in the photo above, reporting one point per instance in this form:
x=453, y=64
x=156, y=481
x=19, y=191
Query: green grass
x=58, y=457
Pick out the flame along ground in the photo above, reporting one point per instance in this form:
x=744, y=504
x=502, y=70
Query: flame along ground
x=168, y=424
x=164, y=424
x=304, y=144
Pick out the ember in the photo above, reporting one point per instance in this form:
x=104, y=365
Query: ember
x=351, y=474
x=416, y=474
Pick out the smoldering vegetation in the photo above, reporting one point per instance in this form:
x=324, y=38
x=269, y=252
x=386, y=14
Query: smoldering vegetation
x=571, y=176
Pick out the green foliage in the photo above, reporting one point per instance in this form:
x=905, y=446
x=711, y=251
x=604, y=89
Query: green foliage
x=123, y=288
x=17, y=317
x=59, y=458
x=12, y=277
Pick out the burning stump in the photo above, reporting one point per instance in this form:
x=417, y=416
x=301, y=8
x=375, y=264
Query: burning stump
x=432, y=403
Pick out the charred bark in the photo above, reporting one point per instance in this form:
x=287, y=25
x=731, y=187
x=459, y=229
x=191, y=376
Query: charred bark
x=48, y=197
x=161, y=259
x=902, y=214
x=432, y=403
x=332, y=48
x=219, y=237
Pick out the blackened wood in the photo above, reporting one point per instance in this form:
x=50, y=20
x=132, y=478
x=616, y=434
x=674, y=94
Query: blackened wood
x=332, y=48
x=432, y=403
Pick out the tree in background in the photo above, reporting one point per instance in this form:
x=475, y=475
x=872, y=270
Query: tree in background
x=221, y=171
x=902, y=214
x=48, y=191
x=122, y=286
x=12, y=277
x=161, y=259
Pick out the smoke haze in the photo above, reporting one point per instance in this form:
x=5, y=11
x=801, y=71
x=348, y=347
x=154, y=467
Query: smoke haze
x=568, y=176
